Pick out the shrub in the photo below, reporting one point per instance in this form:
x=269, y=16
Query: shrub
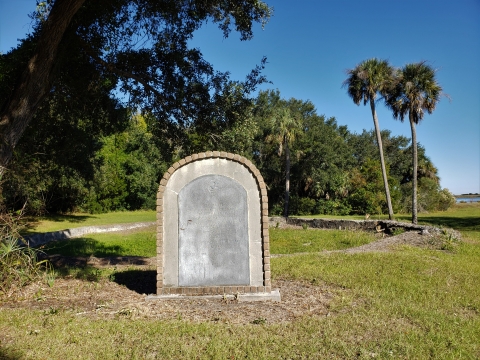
x=19, y=264
x=446, y=200
x=276, y=209
x=430, y=196
x=332, y=207
x=302, y=206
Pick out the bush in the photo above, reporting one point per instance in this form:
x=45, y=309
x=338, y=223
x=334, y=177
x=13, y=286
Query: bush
x=430, y=197
x=302, y=206
x=276, y=209
x=332, y=207
x=128, y=168
x=19, y=263
x=446, y=200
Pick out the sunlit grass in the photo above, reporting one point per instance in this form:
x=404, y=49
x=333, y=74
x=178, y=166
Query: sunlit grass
x=463, y=217
x=290, y=241
x=469, y=211
x=410, y=303
x=62, y=222
x=457, y=210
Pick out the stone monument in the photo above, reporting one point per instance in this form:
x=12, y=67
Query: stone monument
x=212, y=230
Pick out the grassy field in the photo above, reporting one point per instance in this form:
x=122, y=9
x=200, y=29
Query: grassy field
x=62, y=222
x=143, y=242
x=134, y=243
x=410, y=303
x=291, y=241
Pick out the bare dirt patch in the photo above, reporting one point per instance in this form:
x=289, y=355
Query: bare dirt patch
x=108, y=299
x=411, y=238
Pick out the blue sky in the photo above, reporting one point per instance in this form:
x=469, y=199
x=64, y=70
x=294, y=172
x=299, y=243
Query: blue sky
x=310, y=43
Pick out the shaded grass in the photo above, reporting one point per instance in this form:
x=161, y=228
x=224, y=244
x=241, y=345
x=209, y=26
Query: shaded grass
x=140, y=281
x=137, y=243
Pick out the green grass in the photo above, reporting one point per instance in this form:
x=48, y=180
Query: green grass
x=143, y=242
x=137, y=243
x=338, y=217
x=464, y=217
x=290, y=241
x=460, y=217
x=468, y=213
x=410, y=303
x=62, y=222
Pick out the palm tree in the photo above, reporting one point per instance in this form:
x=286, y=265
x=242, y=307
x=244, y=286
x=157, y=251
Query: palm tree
x=364, y=82
x=285, y=128
x=414, y=92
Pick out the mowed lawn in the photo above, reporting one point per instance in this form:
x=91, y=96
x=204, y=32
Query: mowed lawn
x=61, y=222
x=410, y=303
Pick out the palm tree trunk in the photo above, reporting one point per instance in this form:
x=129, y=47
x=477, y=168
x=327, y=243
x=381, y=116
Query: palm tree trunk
x=382, y=160
x=415, y=166
x=35, y=81
x=287, y=177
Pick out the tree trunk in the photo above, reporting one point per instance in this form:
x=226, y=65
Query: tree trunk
x=35, y=81
x=415, y=166
x=382, y=160
x=287, y=177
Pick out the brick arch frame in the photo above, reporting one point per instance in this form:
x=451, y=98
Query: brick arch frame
x=264, y=223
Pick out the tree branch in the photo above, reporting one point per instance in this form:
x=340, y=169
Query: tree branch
x=122, y=73
x=36, y=79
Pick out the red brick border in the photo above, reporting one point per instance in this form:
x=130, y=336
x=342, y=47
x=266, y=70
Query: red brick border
x=215, y=290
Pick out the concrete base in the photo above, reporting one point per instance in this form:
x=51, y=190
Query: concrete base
x=272, y=296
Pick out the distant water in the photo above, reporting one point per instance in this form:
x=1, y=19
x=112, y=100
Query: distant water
x=468, y=199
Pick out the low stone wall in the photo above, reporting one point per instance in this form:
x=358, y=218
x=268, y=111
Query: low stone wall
x=387, y=226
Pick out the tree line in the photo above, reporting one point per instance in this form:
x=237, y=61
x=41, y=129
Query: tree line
x=310, y=164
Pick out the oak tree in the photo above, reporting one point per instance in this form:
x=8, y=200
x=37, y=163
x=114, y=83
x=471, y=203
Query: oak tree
x=140, y=47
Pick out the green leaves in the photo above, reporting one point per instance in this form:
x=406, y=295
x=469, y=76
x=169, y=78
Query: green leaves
x=415, y=91
x=43, y=9
x=18, y=263
x=368, y=78
x=129, y=167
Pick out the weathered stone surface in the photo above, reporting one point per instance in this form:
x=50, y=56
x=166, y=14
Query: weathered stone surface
x=188, y=173
x=213, y=233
